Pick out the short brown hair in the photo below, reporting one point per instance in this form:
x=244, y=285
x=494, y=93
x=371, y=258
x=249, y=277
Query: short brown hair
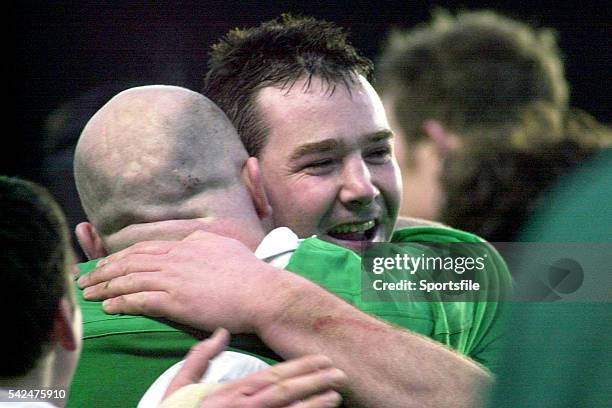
x=276, y=53
x=478, y=69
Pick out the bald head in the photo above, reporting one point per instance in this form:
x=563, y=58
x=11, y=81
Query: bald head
x=157, y=153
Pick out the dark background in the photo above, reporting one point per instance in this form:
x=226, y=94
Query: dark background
x=65, y=48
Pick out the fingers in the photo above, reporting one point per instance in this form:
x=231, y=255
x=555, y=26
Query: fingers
x=125, y=285
x=286, y=370
x=153, y=304
x=328, y=399
x=197, y=360
x=140, y=248
x=308, y=382
x=303, y=386
x=111, y=267
x=75, y=271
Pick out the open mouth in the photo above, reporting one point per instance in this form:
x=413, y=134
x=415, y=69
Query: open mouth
x=359, y=231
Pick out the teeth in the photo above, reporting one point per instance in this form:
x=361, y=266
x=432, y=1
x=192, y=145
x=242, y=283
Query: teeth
x=357, y=227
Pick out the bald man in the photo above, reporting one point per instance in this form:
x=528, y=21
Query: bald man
x=159, y=162
x=151, y=142
x=162, y=153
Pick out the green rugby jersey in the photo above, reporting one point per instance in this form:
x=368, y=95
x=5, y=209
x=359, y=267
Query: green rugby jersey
x=123, y=355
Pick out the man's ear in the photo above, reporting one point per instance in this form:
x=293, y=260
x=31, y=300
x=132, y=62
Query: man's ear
x=251, y=176
x=65, y=332
x=90, y=241
x=444, y=141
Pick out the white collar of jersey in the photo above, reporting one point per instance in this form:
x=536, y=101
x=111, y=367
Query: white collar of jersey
x=278, y=241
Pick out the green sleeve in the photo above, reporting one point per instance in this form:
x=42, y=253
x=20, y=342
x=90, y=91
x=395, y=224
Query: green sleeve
x=471, y=328
x=483, y=321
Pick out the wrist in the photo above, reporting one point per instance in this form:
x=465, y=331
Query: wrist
x=284, y=301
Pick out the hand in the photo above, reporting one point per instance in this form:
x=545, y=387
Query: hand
x=308, y=382
x=197, y=360
x=205, y=281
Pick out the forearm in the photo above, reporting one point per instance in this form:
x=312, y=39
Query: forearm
x=386, y=366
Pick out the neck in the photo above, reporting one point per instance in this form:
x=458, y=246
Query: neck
x=249, y=233
x=244, y=229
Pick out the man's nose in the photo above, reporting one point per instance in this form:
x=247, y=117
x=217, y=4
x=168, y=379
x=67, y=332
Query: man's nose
x=357, y=189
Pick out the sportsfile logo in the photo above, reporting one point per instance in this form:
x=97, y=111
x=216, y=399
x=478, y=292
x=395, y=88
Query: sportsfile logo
x=422, y=272
x=464, y=272
x=412, y=264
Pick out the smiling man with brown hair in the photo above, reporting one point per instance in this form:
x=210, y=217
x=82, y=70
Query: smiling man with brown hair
x=321, y=145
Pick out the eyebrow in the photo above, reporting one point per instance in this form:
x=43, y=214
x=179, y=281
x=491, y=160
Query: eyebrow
x=323, y=146
x=380, y=135
x=329, y=145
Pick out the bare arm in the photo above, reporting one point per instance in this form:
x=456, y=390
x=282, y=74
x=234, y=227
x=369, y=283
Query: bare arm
x=386, y=366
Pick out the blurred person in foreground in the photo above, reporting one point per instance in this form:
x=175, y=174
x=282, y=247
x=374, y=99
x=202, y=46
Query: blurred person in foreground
x=43, y=330
x=557, y=354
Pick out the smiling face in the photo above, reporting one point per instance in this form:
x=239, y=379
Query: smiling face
x=327, y=164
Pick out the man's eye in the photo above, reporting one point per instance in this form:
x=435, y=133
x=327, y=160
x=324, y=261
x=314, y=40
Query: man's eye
x=319, y=166
x=381, y=155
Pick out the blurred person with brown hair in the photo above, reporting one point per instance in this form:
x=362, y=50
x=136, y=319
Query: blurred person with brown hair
x=489, y=92
x=492, y=187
